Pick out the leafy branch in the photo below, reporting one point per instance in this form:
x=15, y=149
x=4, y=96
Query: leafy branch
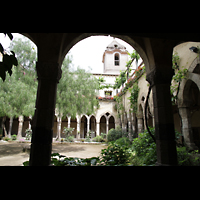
x=8, y=60
x=177, y=78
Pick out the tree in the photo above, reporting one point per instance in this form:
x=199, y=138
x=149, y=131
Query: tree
x=24, y=80
x=18, y=92
x=76, y=93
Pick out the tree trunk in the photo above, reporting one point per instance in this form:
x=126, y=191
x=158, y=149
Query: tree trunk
x=10, y=127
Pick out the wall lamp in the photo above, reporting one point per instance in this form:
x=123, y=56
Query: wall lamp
x=194, y=49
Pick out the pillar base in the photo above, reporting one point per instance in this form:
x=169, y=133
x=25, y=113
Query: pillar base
x=162, y=165
x=41, y=147
x=166, y=153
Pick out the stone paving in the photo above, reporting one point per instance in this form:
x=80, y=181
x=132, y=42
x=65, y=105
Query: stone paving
x=11, y=153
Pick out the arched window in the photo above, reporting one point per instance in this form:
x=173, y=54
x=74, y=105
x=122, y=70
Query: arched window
x=116, y=59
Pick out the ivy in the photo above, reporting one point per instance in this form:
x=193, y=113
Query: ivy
x=177, y=78
x=134, y=96
x=120, y=80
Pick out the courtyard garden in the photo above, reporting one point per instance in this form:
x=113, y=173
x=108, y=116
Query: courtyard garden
x=120, y=151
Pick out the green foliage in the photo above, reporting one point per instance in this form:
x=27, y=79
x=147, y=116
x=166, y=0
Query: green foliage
x=123, y=141
x=176, y=61
x=120, y=80
x=14, y=137
x=68, y=131
x=6, y=139
x=144, y=149
x=26, y=163
x=98, y=138
x=102, y=84
x=18, y=92
x=69, y=138
x=134, y=96
x=186, y=158
x=180, y=74
x=59, y=160
x=76, y=93
x=114, y=134
x=115, y=155
x=28, y=133
x=68, y=134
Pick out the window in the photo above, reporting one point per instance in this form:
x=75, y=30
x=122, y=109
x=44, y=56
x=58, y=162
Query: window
x=116, y=59
x=108, y=93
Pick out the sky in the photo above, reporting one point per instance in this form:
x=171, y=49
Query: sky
x=87, y=53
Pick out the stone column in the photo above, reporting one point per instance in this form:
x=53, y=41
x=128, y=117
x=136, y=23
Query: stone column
x=187, y=128
x=98, y=128
x=78, y=128
x=21, y=120
x=133, y=119
x=29, y=122
x=144, y=121
x=69, y=121
x=140, y=124
x=88, y=125
x=49, y=74
x=160, y=80
x=107, y=126
x=123, y=122
x=59, y=124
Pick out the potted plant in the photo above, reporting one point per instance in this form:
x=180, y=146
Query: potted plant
x=82, y=140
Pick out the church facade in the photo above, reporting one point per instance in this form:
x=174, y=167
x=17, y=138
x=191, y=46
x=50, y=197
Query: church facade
x=106, y=116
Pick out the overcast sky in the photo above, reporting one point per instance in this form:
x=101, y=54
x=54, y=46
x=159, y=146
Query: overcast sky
x=86, y=53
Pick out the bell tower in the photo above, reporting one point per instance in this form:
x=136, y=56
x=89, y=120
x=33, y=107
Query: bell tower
x=115, y=58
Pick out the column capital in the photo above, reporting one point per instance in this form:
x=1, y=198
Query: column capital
x=21, y=119
x=160, y=76
x=48, y=70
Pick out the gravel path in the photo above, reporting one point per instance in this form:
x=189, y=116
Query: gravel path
x=11, y=153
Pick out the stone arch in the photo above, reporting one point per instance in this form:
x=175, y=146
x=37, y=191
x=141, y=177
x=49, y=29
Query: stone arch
x=190, y=128
x=195, y=66
x=33, y=39
x=193, y=76
x=141, y=100
x=98, y=117
x=92, y=127
x=111, y=122
x=103, y=120
x=136, y=43
x=83, y=126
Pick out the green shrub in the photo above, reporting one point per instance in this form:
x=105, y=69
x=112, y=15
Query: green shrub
x=28, y=134
x=114, y=134
x=115, y=155
x=14, y=137
x=123, y=142
x=145, y=148
x=98, y=138
x=69, y=138
x=6, y=138
x=185, y=158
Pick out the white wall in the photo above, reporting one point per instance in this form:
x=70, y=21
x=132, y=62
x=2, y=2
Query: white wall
x=109, y=63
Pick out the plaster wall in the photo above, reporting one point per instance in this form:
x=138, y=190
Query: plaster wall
x=109, y=63
x=185, y=54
